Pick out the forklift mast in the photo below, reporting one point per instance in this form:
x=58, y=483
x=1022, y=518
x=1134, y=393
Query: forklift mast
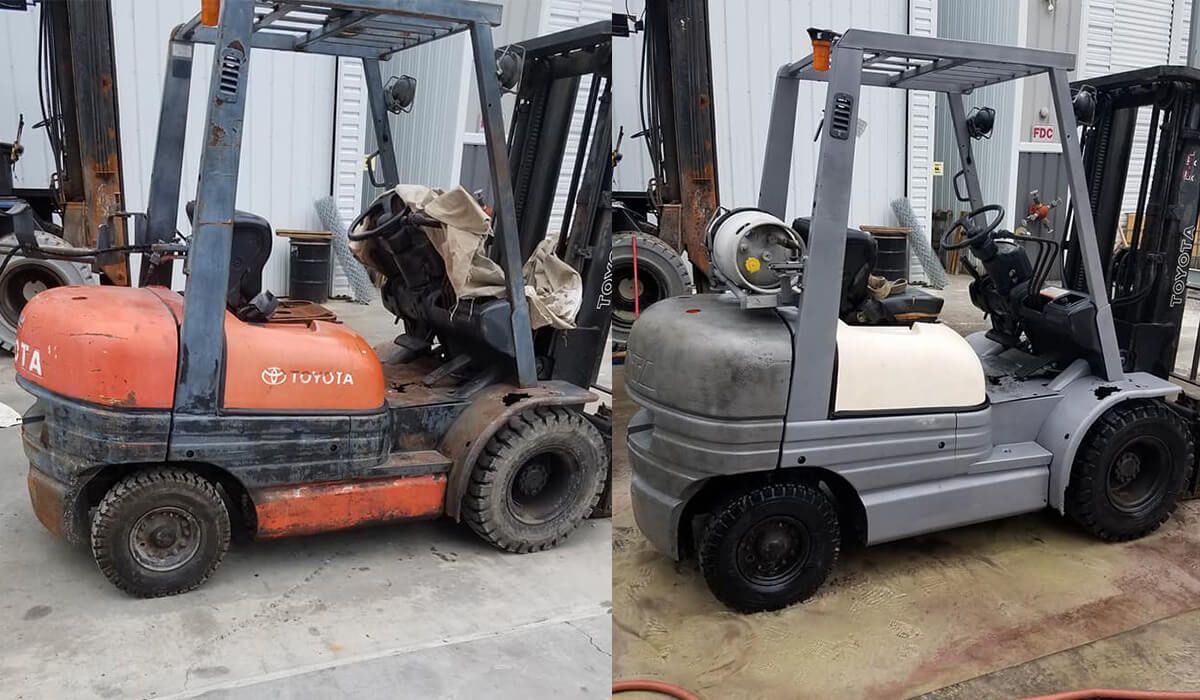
x=554, y=70
x=1146, y=274
x=80, y=117
x=679, y=128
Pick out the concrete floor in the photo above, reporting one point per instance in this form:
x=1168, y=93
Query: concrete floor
x=421, y=610
x=1023, y=606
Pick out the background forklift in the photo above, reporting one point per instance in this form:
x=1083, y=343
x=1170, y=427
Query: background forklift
x=809, y=428
x=659, y=225
x=163, y=422
x=78, y=114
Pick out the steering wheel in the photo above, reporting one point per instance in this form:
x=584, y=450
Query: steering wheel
x=389, y=225
x=974, y=234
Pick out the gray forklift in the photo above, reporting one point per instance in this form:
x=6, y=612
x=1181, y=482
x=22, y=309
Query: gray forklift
x=774, y=425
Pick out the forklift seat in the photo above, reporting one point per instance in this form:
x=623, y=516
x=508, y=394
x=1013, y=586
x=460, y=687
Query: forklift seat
x=247, y=256
x=858, y=306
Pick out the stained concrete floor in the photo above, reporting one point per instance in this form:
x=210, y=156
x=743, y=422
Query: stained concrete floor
x=421, y=610
x=1023, y=606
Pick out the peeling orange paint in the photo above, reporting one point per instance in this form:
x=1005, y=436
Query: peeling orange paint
x=305, y=510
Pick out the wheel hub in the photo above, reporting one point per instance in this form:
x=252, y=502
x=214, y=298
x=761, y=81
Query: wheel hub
x=533, y=478
x=1126, y=469
x=626, y=288
x=773, y=549
x=1139, y=475
x=164, y=538
x=544, y=487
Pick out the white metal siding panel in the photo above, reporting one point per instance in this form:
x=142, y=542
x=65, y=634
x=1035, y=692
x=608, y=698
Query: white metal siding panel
x=634, y=170
x=1129, y=34
x=1180, y=26
x=428, y=139
x=749, y=43
x=19, y=94
x=286, y=143
x=922, y=21
x=565, y=14
x=1101, y=21
x=979, y=20
x=349, y=142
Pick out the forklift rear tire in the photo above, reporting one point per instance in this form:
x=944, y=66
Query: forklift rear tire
x=537, y=479
x=662, y=274
x=160, y=532
x=1130, y=471
x=770, y=547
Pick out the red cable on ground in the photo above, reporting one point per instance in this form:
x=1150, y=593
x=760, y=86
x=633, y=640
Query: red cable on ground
x=1107, y=694
x=648, y=686
x=637, y=290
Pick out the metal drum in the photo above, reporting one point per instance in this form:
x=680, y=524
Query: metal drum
x=891, y=261
x=308, y=271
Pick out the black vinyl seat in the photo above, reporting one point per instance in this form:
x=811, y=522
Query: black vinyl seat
x=858, y=306
x=248, y=255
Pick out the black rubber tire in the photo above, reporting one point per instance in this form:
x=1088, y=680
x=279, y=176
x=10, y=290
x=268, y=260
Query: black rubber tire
x=138, y=494
x=491, y=509
x=1089, y=501
x=662, y=274
x=22, y=270
x=723, y=536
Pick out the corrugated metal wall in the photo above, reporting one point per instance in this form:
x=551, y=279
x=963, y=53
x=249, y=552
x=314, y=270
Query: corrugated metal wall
x=287, y=140
x=978, y=20
x=560, y=15
x=1059, y=31
x=19, y=94
x=429, y=137
x=287, y=145
x=1128, y=34
x=922, y=116
x=750, y=40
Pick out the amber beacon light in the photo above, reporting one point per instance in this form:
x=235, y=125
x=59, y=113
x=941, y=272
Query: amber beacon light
x=822, y=42
x=210, y=11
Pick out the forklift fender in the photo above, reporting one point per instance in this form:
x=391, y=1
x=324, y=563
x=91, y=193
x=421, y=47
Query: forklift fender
x=490, y=409
x=1084, y=400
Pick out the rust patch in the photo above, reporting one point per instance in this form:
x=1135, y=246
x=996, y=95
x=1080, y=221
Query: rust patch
x=305, y=510
x=47, y=501
x=215, y=136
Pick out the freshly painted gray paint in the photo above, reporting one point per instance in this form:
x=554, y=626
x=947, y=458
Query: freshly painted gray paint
x=912, y=472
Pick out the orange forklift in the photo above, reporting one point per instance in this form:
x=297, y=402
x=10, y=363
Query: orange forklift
x=163, y=423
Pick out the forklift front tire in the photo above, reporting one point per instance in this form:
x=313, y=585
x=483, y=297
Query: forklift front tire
x=160, y=532
x=770, y=547
x=537, y=479
x=1130, y=471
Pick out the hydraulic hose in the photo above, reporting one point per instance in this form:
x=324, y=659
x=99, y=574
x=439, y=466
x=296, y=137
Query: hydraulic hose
x=650, y=686
x=1108, y=694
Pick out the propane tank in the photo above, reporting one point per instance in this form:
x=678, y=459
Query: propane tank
x=744, y=243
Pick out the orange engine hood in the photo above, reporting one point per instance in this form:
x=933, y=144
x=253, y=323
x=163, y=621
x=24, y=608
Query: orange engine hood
x=113, y=346
x=117, y=346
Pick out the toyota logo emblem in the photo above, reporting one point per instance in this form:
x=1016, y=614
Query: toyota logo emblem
x=273, y=376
